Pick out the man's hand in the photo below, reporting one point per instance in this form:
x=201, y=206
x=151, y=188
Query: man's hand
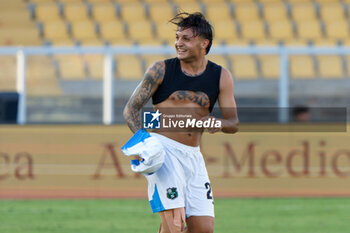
x=212, y=129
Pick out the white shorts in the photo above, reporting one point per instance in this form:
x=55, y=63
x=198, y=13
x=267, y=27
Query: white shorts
x=182, y=181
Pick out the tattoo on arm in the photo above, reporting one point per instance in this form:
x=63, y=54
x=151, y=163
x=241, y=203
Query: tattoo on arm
x=142, y=94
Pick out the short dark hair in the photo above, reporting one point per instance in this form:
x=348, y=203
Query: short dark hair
x=197, y=22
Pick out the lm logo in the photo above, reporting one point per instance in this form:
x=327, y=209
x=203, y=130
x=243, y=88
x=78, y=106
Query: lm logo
x=151, y=120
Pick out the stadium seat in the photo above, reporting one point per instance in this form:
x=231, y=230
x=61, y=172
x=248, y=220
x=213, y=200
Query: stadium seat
x=206, y=2
x=253, y=30
x=266, y=42
x=129, y=67
x=299, y=1
x=281, y=30
x=189, y=7
x=71, y=67
x=309, y=30
x=237, y=42
x=121, y=42
x=140, y=31
x=270, y=1
x=166, y=32
x=99, y=1
x=219, y=59
x=91, y=42
x=70, y=1
x=40, y=67
x=332, y=12
x=84, y=30
x=76, y=12
x=302, y=67
x=47, y=12
x=218, y=12
x=149, y=59
x=325, y=42
x=113, y=30
x=161, y=12
x=41, y=1
x=55, y=30
x=244, y=67
x=67, y=42
x=7, y=73
x=270, y=66
x=275, y=12
x=180, y=2
x=303, y=12
x=20, y=36
x=16, y=18
x=246, y=12
x=295, y=42
x=337, y=30
x=133, y=12
x=225, y=30
x=330, y=67
x=95, y=65
x=104, y=12
x=241, y=1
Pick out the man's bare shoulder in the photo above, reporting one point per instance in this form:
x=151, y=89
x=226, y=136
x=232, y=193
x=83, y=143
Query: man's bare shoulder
x=156, y=71
x=226, y=76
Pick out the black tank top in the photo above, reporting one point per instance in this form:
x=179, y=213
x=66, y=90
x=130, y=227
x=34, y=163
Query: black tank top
x=175, y=80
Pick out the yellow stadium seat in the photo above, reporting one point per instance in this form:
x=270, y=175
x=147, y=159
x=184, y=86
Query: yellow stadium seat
x=92, y=42
x=47, y=12
x=129, y=67
x=295, y=42
x=218, y=59
x=76, y=12
x=225, y=30
x=104, y=12
x=241, y=1
x=179, y=2
x=299, y=1
x=127, y=1
x=20, y=36
x=84, y=30
x=63, y=42
x=337, y=30
x=330, y=66
x=270, y=1
x=244, y=67
x=302, y=67
x=309, y=30
x=70, y=1
x=327, y=1
x=206, y=2
x=266, y=42
x=332, y=12
x=7, y=73
x=161, y=12
x=113, y=30
x=166, y=32
x=41, y=1
x=40, y=67
x=237, y=42
x=133, y=12
x=303, y=12
x=149, y=59
x=270, y=66
x=55, y=30
x=71, y=67
x=95, y=65
x=140, y=31
x=99, y=1
x=218, y=12
x=246, y=12
x=275, y=12
x=189, y=7
x=325, y=42
x=281, y=30
x=253, y=30
x=16, y=18
x=121, y=42
x=155, y=2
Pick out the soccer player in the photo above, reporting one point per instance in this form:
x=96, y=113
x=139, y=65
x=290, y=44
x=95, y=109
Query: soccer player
x=180, y=190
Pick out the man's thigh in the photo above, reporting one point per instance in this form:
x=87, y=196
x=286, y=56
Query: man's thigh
x=200, y=224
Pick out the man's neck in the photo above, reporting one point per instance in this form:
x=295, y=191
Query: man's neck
x=194, y=68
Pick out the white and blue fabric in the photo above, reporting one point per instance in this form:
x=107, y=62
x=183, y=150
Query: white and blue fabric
x=149, y=148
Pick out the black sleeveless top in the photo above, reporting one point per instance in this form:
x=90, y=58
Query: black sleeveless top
x=175, y=80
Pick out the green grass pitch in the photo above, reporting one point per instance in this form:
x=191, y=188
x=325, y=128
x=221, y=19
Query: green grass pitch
x=241, y=215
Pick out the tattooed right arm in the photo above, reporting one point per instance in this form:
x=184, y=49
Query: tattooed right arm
x=143, y=92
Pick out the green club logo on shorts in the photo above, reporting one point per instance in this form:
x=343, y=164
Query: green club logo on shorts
x=172, y=193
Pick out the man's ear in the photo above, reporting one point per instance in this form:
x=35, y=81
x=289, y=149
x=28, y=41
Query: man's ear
x=205, y=43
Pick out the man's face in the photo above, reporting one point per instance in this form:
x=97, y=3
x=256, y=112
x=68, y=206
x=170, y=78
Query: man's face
x=188, y=47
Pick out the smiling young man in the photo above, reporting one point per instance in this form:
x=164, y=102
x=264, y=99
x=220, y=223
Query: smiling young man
x=180, y=190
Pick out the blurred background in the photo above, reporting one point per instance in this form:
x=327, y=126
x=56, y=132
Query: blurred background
x=68, y=88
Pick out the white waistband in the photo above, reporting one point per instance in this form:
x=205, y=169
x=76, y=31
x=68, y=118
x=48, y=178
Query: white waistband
x=176, y=144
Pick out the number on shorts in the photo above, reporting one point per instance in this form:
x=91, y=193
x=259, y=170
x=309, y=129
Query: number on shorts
x=208, y=186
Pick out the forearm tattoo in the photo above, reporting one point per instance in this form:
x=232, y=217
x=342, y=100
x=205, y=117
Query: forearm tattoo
x=142, y=94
